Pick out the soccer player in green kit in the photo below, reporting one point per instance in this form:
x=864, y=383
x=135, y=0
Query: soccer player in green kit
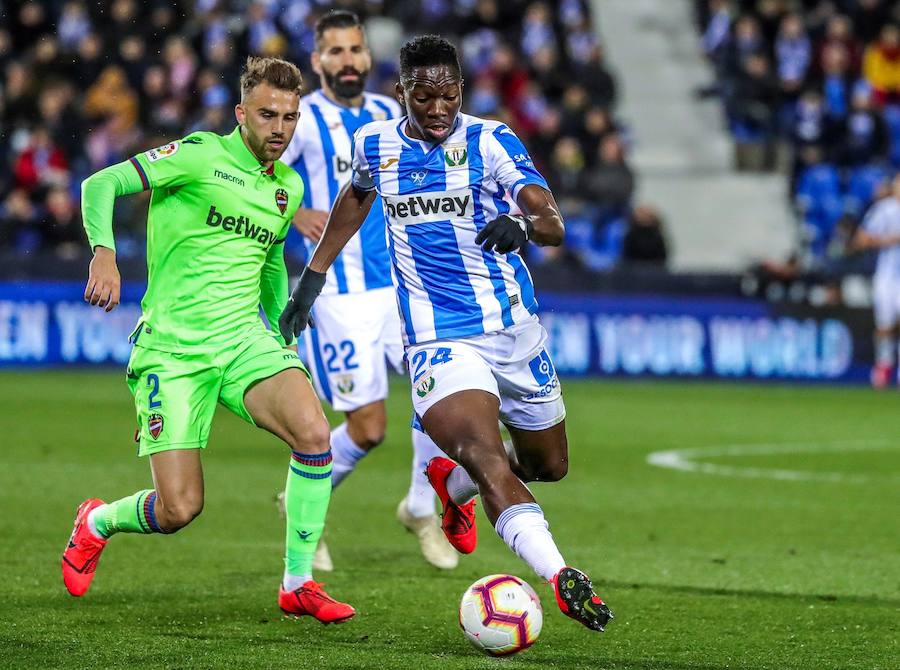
x=219, y=211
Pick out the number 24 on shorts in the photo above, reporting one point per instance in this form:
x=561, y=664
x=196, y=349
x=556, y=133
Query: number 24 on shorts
x=440, y=355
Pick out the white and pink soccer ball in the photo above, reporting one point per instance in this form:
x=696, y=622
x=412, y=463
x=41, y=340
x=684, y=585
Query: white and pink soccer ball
x=501, y=615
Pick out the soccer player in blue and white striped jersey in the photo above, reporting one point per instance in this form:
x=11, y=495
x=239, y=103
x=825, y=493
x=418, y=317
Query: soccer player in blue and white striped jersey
x=358, y=325
x=475, y=347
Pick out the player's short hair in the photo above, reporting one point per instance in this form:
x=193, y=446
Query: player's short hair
x=337, y=18
x=425, y=51
x=276, y=72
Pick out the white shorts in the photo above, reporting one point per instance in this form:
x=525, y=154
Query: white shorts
x=357, y=335
x=886, y=298
x=512, y=364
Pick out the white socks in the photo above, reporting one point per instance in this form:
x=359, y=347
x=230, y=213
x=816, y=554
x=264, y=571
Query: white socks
x=526, y=532
x=345, y=454
x=420, y=498
x=294, y=582
x=460, y=486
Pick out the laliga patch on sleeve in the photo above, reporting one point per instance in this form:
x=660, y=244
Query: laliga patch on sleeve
x=165, y=151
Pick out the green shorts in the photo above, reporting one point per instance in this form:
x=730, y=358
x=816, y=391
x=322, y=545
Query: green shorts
x=175, y=394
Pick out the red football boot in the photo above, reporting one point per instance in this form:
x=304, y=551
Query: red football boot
x=311, y=599
x=457, y=521
x=79, y=560
x=577, y=600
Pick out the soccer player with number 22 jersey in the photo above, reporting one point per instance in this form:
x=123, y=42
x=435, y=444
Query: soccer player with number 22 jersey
x=474, y=345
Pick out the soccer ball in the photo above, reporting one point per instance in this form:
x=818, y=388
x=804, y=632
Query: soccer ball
x=501, y=615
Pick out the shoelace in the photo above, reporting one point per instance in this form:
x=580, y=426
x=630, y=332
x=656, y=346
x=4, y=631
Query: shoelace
x=317, y=591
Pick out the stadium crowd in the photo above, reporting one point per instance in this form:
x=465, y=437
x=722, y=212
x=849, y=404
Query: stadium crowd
x=812, y=87
x=85, y=85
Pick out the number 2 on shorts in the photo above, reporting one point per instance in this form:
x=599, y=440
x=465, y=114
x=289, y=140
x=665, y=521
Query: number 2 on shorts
x=153, y=381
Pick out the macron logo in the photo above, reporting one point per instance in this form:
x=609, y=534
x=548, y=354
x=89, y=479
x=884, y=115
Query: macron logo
x=429, y=207
x=229, y=177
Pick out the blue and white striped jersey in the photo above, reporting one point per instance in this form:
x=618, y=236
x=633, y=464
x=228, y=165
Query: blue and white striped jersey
x=435, y=199
x=321, y=152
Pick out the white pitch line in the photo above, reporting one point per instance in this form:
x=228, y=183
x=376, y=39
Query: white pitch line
x=687, y=460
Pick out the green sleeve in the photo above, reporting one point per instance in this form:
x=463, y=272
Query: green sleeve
x=274, y=286
x=98, y=195
x=176, y=163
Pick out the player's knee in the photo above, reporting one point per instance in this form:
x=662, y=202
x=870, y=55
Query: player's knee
x=180, y=513
x=370, y=435
x=314, y=437
x=553, y=472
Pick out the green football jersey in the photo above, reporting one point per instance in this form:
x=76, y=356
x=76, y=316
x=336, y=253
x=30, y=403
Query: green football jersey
x=215, y=213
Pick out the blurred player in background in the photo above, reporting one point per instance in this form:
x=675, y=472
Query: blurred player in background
x=357, y=329
x=475, y=347
x=880, y=231
x=219, y=211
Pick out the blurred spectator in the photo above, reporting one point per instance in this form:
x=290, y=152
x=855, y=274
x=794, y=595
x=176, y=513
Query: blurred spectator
x=61, y=224
x=839, y=33
x=74, y=25
x=716, y=35
x=18, y=219
x=566, y=166
x=869, y=16
x=594, y=76
x=881, y=65
x=610, y=184
x=865, y=138
x=811, y=122
x=645, y=241
x=110, y=97
x=41, y=163
x=836, y=81
x=793, y=53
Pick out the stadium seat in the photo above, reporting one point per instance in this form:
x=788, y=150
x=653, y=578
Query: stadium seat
x=861, y=187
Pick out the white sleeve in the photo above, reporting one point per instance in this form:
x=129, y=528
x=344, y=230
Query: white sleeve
x=362, y=178
x=511, y=166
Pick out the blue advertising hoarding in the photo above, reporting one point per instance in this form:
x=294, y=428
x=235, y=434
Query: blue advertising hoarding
x=48, y=323
x=677, y=337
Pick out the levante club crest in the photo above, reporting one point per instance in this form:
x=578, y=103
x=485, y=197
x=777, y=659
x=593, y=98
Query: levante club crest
x=281, y=199
x=155, y=425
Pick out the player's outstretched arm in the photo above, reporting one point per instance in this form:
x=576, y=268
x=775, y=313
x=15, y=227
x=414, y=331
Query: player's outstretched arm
x=540, y=223
x=98, y=195
x=347, y=215
x=865, y=241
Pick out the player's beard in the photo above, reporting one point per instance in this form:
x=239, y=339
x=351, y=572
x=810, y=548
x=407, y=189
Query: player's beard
x=346, y=90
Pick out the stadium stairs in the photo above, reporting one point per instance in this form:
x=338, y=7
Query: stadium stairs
x=717, y=220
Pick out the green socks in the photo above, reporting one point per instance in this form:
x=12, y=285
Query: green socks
x=306, y=498
x=134, y=514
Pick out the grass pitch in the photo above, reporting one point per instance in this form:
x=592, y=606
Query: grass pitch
x=741, y=566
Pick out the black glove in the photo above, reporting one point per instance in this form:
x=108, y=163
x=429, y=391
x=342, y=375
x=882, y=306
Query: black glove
x=296, y=316
x=505, y=233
